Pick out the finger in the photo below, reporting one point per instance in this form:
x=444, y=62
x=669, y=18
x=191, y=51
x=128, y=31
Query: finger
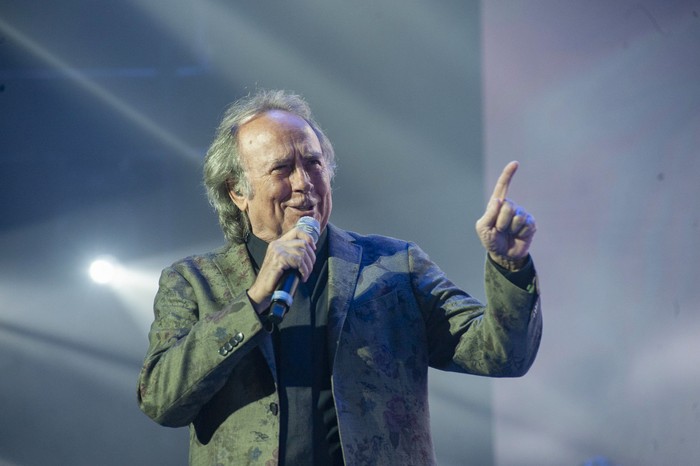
x=527, y=231
x=503, y=183
x=527, y=225
x=521, y=219
x=290, y=253
x=308, y=261
x=488, y=220
x=298, y=233
x=518, y=222
x=298, y=254
x=505, y=216
x=307, y=238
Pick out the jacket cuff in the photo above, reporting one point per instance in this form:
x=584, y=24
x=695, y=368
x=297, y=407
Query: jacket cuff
x=525, y=278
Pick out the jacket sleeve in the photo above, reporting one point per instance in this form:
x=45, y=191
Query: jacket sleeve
x=499, y=339
x=194, y=343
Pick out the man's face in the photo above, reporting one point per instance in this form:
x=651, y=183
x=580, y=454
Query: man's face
x=287, y=173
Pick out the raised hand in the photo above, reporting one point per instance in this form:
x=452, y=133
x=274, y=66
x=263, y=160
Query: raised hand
x=506, y=229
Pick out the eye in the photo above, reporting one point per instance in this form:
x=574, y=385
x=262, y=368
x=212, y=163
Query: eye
x=315, y=162
x=278, y=169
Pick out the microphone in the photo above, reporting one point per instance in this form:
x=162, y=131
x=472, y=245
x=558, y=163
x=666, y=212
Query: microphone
x=283, y=297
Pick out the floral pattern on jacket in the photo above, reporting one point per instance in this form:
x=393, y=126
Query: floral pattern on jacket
x=392, y=314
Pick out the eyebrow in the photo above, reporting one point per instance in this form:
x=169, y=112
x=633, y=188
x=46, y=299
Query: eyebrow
x=309, y=155
x=312, y=155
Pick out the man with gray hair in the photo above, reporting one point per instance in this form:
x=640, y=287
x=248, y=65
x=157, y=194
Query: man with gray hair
x=342, y=377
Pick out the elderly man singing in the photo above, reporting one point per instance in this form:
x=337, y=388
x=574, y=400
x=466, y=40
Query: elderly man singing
x=335, y=371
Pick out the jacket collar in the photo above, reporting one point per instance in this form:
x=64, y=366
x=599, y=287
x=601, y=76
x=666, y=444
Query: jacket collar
x=344, y=258
x=236, y=267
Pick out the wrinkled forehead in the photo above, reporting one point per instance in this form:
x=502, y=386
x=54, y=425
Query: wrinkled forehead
x=275, y=125
x=280, y=120
x=276, y=133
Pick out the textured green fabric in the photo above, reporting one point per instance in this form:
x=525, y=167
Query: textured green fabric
x=392, y=313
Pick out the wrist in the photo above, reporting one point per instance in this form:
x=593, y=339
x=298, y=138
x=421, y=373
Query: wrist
x=259, y=303
x=508, y=263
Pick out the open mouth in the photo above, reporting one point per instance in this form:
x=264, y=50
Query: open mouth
x=303, y=208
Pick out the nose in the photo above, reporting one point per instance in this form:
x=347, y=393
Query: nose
x=300, y=179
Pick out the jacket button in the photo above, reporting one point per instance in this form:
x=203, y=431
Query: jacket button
x=238, y=337
x=274, y=408
x=222, y=351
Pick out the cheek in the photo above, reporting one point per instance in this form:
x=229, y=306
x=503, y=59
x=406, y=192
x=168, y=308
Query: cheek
x=277, y=190
x=322, y=182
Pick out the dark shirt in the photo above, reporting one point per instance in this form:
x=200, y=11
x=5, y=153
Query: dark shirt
x=308, y=420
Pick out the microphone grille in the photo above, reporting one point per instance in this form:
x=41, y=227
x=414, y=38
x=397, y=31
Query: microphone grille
x=311, y=226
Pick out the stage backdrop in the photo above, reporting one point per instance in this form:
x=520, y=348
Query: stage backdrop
x=600, y=101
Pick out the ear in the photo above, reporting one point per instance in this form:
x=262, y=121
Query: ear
x=239, y=199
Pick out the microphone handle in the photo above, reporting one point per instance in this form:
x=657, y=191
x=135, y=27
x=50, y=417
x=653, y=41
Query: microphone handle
x=283, y=297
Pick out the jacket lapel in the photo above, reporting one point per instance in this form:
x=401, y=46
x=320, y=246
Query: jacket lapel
x=343, y=267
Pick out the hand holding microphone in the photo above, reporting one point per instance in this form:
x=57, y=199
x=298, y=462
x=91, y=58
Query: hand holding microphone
x=283, y=297
x=288, y=259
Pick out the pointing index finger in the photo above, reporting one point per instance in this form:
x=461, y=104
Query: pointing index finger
x=503, y=183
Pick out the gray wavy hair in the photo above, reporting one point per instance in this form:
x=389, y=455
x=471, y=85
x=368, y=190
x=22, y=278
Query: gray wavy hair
x=223, y=169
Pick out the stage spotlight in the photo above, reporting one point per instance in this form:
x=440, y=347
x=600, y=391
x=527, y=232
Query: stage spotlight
x=104, y=270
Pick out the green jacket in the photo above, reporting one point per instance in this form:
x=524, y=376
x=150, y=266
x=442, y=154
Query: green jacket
x=393, y=313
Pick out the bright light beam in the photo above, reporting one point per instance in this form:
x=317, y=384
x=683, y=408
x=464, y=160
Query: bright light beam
x=100, y=92
x=135, y=287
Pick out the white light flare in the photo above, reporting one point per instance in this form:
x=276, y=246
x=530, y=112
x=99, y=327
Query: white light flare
x=104, y=270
